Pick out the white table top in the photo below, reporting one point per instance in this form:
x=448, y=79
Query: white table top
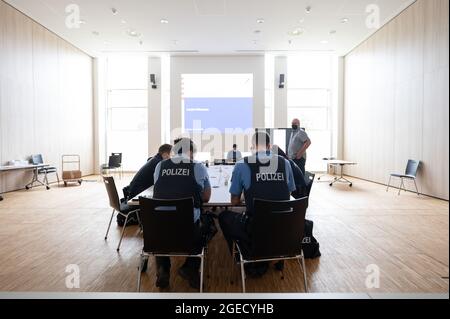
x=340, y=162
x=219, y=177
x=17, y=167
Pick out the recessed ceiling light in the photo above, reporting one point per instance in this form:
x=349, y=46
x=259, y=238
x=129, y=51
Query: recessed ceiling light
x=96, y=33
x=344, y=20
x=133, y=33
x=260, y=21
x=123, y=22
x=308, y=9
x=164, y=21
x=81, y=21
x=296, y=32
x=114, y=11
x=324, y=42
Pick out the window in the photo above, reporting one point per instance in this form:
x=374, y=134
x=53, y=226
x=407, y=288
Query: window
x=310, y=82
x=127, y=109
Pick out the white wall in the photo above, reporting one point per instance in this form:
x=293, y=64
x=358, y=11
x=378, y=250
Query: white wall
x=397, y=99
x=46, y=102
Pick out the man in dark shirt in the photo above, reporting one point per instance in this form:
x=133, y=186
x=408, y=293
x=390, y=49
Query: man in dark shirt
x=144, y=177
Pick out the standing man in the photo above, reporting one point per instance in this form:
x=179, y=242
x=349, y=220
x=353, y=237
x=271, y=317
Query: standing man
x=177, y=178
x=298, y=144
x=234, y=155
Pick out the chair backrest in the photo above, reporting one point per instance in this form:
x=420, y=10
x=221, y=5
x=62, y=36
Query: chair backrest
x=412, y=167
x=277, y=228
x=110, y=185
x=37, y=159
x=309, y=180
x=119, y=155
x=115, y=160
x=168, y=225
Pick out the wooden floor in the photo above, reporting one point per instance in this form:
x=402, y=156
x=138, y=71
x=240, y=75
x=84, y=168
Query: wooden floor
x=407, y=237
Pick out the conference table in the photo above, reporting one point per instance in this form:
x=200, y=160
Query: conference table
x=220, y=179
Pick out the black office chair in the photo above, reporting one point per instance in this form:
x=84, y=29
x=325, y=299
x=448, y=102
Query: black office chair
x=309, y=180
x=121, y=208
x=169, y=231
x=114, y=163
x=38, y=160
x=277, y=231
x=410, y=174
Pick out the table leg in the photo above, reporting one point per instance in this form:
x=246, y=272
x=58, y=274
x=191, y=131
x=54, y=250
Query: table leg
x=341, y=178
x=35, y=179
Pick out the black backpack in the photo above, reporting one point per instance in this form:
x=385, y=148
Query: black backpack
x=310, y=245
x=132, y=219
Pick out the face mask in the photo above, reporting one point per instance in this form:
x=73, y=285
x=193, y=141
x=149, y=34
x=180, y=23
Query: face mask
x=294, y=127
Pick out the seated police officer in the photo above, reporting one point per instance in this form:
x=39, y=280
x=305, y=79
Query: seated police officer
x=176, y=178
x=263, y=175
x=144, y=177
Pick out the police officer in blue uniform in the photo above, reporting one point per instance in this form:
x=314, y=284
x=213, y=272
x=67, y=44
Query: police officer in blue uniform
x=263, y=175
x=176, y=178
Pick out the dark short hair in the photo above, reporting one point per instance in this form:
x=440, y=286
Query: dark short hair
x=165, y=148
x=234, y=146
x=261, y=138
x=181, y=145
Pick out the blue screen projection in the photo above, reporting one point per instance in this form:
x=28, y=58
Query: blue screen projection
x=218, y=101
x=220, y=113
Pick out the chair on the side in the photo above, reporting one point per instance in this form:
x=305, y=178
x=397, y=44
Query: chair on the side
x=38, y=160
x=277, y=229
x=410, y=174
x=309, y=180
x=169, y=231
x=114, y=163
x=121, y=208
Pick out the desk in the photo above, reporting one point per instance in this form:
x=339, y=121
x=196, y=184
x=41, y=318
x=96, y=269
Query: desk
x=35, y=169
x=341, y=178
x=219, y=177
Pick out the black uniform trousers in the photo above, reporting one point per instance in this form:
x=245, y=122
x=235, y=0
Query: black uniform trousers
x=301, y=164
x=234, y=227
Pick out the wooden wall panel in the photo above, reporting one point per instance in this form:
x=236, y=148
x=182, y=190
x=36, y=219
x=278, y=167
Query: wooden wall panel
x=396, y=99
x=46, y=103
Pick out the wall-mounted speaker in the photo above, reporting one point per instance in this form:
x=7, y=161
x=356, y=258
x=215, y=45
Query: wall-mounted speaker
x=153, y=81
x=281, y=85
